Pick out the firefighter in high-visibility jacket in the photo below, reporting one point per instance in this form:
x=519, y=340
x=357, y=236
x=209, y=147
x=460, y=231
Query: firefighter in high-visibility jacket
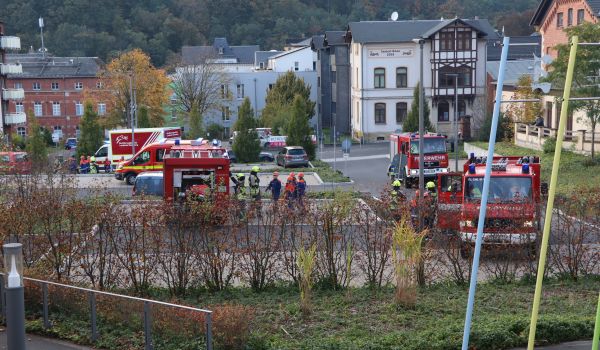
x=240, y=189
x=254, y=183
x=395, y=197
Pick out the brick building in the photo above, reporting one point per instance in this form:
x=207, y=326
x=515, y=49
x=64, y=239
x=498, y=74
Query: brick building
x=553, y=16
x=55, y=90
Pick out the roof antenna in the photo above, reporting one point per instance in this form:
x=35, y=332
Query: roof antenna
x=41, y=24
x=394, y=16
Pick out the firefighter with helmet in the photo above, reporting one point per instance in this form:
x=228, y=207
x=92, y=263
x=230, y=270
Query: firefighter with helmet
x=431, y=189
x=395, y=197
x=254, y=183
x=240, y=188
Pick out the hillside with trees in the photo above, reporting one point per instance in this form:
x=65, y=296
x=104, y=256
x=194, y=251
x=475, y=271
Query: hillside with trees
x=161, y=27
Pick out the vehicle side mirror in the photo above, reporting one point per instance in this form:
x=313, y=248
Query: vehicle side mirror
x=544, y=188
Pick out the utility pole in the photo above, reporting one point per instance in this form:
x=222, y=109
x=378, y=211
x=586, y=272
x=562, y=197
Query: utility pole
x=132, y=109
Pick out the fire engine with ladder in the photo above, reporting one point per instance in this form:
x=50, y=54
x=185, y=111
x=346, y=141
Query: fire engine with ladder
x=514, y=205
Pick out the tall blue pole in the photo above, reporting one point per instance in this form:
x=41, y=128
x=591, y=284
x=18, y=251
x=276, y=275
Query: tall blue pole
x=484, y=195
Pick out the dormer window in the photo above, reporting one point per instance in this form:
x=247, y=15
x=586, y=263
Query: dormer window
x=220, y=50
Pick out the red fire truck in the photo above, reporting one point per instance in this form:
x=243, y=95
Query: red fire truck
x=514, y=202
x=198, y=170
x=404, y=155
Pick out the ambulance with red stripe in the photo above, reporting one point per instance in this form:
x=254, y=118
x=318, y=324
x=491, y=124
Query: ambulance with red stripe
x=119, y=145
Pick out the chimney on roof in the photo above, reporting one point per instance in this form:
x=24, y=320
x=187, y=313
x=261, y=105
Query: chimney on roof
x=476, y=17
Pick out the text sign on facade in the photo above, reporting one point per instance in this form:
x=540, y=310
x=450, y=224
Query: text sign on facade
x=391, y=53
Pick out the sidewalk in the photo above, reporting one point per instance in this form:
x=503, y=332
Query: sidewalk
x=35, y=342
x=576, y=345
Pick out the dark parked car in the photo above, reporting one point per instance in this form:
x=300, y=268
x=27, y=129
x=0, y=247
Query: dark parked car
x=266, y=157
x=71, y=143
x=292, y=156
x=231, y=156
x=149, y=184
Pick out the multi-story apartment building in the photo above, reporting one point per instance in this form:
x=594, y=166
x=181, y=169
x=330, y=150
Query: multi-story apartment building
x=55, y=90
x=333, y=81
x=250, y=73
x=385, y=68
x=9, y=95
x=552, y=17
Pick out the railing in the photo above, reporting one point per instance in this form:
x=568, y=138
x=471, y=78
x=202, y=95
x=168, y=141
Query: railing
x=91, y=294
x=531, y=136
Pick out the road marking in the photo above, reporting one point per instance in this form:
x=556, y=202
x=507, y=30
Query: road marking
x=340, y=159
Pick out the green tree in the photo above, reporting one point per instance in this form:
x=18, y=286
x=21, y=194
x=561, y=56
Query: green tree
x=91, y=132
x=246, y=145
x=411, y=124
x=142, y=118
x=36, y=145
x=215, y=131
x=280, y=98
x=195, y=123
x=298, y=129
x=524, y=112
x=585, y=74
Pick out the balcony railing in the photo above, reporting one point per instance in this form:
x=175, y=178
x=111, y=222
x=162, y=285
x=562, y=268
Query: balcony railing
x=10, y=43
x=13, y=94
x=534, y=137
x=15, y=118
x=11, y=69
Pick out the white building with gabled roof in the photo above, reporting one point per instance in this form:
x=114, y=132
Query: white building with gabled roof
x=385, y=67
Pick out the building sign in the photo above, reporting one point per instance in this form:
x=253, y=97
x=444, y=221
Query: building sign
x=391, y=53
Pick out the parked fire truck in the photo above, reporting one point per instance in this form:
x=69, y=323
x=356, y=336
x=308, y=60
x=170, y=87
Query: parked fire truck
x=195, y=170
x=514, y=202
x=404, y=155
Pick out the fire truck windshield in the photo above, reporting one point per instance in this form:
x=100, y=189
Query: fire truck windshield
x=503, y=189
x=432, y=145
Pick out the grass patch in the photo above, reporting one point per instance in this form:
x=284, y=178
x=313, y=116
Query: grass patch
x=576, y=171
x=362, y=318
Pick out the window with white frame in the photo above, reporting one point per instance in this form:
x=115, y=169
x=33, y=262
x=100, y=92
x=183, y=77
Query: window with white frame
x=99, y=85
x=37, y=109
x=18, y=85
x=224, y=91
x=58, y=131
x=54, y=85
x=379, y=76
x=401, y=112
x=56, y=109
x=37, y=86
x=77, y=132
x=22, y=131
x=78, y=108
x=19, y=107
x=240, y=90
x=101, y=108
x=78, y=85
x=401, y=77
x=380, y=113
x=225, y=113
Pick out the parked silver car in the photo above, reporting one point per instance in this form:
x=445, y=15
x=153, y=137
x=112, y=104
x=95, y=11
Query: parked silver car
x=292, y=156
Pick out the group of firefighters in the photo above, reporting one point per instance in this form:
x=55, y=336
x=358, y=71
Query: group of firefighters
x=293, y=191
x=429, y=198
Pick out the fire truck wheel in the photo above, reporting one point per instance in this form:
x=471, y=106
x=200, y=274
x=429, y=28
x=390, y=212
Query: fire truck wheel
x=130, y=179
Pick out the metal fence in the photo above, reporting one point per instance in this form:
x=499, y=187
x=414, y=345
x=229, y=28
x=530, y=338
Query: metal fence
x=92, y=296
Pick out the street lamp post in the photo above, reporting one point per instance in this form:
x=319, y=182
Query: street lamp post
x=15, y=299
x=421, y=42
x=455, y=121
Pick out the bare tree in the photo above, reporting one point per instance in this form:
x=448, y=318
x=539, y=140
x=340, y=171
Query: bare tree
x=203, y=84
